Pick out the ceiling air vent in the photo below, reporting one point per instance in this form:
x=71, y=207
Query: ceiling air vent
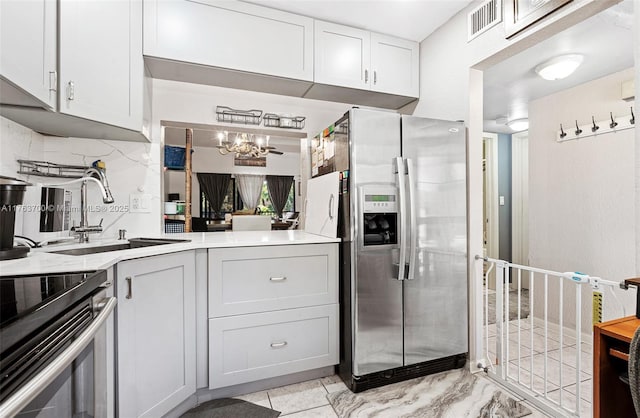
x=484, y=17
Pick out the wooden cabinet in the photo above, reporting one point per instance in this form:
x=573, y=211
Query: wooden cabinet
x=156, y=342
x=232, y=35
x=101, y=65
x=28, y=53
x=395, y=65
x=100, y=90
x=342, y=55
x=272, y=311
x=349, y=57
x=611, y=341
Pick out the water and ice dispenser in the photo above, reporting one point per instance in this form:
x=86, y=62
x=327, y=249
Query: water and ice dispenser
x=380, y=215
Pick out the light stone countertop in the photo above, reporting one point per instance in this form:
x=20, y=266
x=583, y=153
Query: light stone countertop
x=40, y=260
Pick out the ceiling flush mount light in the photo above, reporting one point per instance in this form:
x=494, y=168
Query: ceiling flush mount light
x=518, y=125
x=244, y=145
x=559, y=67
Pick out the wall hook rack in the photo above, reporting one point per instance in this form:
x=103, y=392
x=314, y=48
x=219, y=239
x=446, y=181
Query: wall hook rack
x=578, y=130
x=597, y=127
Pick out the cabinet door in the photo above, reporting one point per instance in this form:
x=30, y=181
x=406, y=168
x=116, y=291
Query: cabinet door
x=101, y=67
x=232, y=35
x=395, y=65
x=28, y=50
x=342, y=56
x=156, y=333
x=321, y=207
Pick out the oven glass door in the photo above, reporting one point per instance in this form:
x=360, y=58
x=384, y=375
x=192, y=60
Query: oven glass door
x=84, y=388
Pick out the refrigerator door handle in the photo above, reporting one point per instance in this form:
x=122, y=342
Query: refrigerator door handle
x=413, y=250
x=402, y=259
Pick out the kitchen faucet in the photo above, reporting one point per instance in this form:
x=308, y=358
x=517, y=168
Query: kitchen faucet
x=98, y=176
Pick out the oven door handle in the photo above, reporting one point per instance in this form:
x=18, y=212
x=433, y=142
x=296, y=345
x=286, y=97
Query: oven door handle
x=21, y=398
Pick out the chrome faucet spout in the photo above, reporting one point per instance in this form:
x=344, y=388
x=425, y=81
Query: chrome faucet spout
x=103, y=183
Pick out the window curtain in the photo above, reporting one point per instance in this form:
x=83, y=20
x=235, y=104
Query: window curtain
x=214, y=187
x=279, y=187
x=250, y=187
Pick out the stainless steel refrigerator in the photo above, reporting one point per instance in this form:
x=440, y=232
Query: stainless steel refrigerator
x=402, y=220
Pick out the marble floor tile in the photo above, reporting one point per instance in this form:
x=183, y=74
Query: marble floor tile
x=258, y=398
x=537, y=387
x=333, y=383
x=298, y=397
x=569, y=357
x=538, y=342
x=569, y=402
x=553, y=370
x=555, y=335
x=455, y=393
x=320, y=412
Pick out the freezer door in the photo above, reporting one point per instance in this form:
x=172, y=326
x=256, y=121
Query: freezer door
x=377, y=299
x=435, y=294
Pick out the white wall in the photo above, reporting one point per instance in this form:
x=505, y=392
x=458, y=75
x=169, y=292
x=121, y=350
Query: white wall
x=582, y=192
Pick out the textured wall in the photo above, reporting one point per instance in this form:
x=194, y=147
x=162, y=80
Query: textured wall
x=581, y=192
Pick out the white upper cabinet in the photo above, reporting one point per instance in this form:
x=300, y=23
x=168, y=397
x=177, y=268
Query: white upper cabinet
x=28, y=53
x=395, y=65
x=229, y=34
x=349, y=57
x=101, y=66
x=342, y=55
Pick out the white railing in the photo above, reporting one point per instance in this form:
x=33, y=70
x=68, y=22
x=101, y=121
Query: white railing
x=541, y=352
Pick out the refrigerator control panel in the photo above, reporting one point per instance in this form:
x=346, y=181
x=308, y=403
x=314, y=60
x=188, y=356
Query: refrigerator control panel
x=380, y=201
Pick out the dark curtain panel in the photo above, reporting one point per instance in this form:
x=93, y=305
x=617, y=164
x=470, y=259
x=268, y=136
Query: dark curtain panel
x=279, y=187
x=214, y=187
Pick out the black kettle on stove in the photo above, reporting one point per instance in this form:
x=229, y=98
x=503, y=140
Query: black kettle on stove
x=11, y=195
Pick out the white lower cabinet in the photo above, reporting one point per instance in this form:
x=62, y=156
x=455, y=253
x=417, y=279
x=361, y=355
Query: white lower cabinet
x=273, y=311
x=247, y=348
x=156, y=343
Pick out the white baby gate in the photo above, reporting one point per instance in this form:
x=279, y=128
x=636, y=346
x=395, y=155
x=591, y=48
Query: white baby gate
x=541, y=359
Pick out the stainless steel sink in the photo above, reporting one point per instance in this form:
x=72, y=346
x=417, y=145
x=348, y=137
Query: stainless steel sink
x=133, y=243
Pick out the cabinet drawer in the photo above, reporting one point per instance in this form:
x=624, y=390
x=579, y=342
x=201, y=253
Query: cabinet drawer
x=261, y=279
x=247, y=348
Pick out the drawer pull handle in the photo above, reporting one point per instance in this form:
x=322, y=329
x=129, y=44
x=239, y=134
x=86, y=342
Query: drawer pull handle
x=278, y=345
x=278, y=279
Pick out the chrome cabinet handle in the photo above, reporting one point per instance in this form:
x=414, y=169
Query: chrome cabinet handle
x=129, y=287
x=366, y=76
x=278, y=279
x=278, y=345
x=53, y=81
x=331, y=199
x=71, y=91
x=375, y=76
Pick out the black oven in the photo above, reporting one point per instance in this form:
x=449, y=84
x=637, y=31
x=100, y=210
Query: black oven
x=55, y=352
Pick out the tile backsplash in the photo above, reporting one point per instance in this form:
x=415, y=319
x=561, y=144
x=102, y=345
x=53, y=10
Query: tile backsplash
x=133, y=171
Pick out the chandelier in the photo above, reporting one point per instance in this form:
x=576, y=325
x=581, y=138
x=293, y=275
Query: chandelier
x=244, y=145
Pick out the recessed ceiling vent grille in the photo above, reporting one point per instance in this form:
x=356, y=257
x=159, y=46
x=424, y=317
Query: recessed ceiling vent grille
x=484, y=17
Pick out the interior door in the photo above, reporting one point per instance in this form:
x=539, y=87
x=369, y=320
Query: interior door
x=435, y=294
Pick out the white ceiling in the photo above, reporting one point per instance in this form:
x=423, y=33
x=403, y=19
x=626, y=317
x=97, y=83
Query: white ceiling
x=605, y=40
x=408, y=19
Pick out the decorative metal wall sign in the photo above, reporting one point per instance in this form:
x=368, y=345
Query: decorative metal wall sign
x=249, y=161
x=520, y=14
